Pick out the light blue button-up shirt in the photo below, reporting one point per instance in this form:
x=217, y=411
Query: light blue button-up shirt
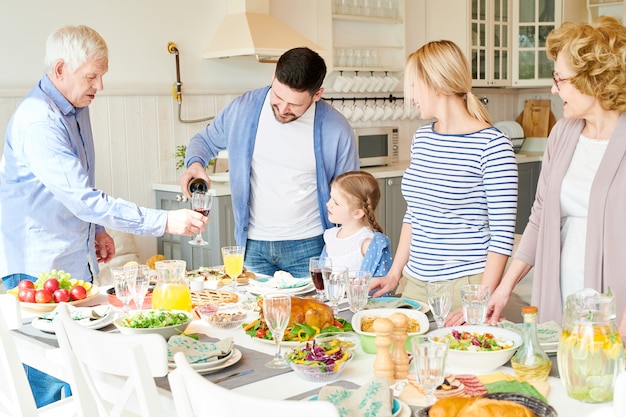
x=50, y=210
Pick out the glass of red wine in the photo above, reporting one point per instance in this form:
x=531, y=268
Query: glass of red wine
x=316, y=264
x=201, y=202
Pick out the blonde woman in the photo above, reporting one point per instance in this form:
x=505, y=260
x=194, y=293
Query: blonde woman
x=460, y=186
x=575, y=234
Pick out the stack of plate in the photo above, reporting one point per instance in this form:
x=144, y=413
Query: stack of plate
x=514, y=131
x=263, y=285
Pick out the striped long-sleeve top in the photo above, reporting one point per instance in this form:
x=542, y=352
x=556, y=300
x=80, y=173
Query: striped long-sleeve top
x=461, y=194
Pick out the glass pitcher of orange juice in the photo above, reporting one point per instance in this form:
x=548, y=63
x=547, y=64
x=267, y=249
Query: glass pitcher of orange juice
x=590, y=354
x=172, y=289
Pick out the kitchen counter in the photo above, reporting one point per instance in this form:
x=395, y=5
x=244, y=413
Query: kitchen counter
x=527, y=154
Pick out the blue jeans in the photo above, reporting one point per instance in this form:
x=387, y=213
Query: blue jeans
x=11, y=281
x=267, y=257
x=46, y=388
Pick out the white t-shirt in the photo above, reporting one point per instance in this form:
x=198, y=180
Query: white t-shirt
x=283, y=185
x=575, y=192
x=346, y=251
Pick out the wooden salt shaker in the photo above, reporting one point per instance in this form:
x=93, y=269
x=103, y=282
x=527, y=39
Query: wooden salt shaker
x=383, y=363
x=398, y=354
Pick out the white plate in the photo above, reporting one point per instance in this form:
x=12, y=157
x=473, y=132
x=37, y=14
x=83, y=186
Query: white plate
x=220, y=177
x=292, y=343
x=210, y=367
x=48, y=325
x=256, y=290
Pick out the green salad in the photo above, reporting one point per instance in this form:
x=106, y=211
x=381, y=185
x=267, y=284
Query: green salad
x=154, y=319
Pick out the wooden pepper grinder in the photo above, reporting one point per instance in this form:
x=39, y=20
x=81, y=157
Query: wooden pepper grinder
x=383, y=363
x=398, y=354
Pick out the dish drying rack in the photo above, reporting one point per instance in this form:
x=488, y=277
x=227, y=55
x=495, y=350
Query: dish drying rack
x=514, y=131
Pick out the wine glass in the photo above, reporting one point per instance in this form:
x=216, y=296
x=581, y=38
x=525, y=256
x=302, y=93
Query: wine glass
x=430, y=361
x=277, y=312
x=139, y=285
x=335, y=278
x=358, y=289
x=201, y=202
x=440, y=295
x=233, y=262
x=122, y=275
x=316, y=264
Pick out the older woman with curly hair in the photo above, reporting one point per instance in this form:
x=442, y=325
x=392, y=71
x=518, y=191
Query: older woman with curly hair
x=576, y=235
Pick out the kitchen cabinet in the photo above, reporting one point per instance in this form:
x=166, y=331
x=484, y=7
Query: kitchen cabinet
x=605, y=8
x=219, y=233
x=366, y=36
x=391, y=209
x=528, y=176
x=533, y=21
x=503, y=39
x=482, y=29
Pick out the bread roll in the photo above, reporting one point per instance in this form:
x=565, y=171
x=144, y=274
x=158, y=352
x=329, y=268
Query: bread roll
x=486, y=407
x=449, y=407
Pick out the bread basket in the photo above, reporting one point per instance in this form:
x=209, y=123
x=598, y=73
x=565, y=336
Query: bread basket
x=537, y=406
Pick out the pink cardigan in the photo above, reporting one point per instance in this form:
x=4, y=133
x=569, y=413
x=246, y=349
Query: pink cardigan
x=605, y=249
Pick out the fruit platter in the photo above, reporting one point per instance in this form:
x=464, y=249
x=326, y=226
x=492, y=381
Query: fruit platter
x=52, y=288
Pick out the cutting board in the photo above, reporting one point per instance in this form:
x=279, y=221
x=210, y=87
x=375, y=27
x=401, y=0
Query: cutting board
x=536, y=118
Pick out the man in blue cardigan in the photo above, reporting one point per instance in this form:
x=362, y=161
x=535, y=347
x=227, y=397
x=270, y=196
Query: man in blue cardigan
x=285, y=146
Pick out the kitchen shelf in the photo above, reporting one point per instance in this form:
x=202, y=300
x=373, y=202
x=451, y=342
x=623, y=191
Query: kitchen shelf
x=368, y=19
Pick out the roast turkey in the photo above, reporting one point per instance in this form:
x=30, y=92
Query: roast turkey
x=309, y=311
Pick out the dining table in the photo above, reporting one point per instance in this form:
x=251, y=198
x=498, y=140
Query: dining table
x=40, y=350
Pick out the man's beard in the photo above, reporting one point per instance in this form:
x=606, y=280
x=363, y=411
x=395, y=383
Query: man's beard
x=290, y=117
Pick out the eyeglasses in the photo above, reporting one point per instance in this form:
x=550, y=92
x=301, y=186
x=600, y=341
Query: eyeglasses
x=558, y=80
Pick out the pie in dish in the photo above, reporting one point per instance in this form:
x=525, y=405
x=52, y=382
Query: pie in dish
x=200, y=298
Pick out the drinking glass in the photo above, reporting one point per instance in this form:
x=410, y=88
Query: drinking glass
x=277, y=312
x=335, y=278
x=316, y=264
x=440, y=295
x=233, y=262
x=358, y=289
x=201, y=202
x=430, y=361
x=139, y=285
x=122, y=276
x=475, y=297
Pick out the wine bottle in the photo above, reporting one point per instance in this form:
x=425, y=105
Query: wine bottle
x=197, y=185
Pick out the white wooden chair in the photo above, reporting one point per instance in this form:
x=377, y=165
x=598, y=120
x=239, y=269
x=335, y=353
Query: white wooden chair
x=113, y=374
x=16, y=398
x=195, y=396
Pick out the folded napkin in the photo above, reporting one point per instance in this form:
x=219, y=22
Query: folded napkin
x=79, y=313
x=397, y=303
x=281, y=280
x=371, y=400
x=503, y=382
x=196, y=351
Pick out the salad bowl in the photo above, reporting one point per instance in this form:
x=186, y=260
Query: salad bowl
x=319, y=361
x=167, y=323
x=477, y=349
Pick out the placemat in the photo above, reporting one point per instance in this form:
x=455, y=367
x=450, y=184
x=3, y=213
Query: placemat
x=250, y=359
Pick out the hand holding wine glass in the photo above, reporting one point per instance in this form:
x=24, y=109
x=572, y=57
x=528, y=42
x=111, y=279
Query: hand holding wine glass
x=201, y=202
x=440, y=295
x=277, y=312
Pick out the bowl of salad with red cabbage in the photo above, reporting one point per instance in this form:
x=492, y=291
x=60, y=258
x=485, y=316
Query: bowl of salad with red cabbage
x=319, y=361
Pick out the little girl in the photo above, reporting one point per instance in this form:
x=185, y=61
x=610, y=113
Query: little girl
x=359, y=243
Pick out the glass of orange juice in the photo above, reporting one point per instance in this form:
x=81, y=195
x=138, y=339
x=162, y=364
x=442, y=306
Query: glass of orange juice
x=172, y=290
x=233, y=262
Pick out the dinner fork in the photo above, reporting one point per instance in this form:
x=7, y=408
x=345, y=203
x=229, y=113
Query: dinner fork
x=236, y=374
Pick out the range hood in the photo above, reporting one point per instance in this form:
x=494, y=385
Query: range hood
x=249, y=30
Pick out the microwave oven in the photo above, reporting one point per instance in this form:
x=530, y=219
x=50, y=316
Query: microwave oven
x=377, y=146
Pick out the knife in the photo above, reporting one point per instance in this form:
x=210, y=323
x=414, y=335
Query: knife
x=236, y=374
